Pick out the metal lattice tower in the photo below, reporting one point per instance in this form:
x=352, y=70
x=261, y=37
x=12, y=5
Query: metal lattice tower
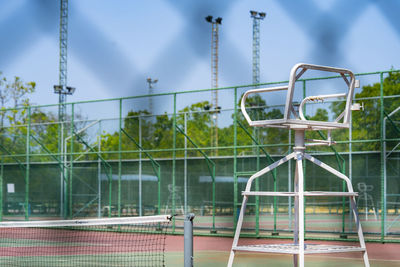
x=151, y=82
x=257, y=17
x=63, y=90
x=214, y=76
x=63, y=57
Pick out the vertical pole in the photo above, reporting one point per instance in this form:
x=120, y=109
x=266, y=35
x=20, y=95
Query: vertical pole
x=140, y=167
x=343, y=170
x=214, y=81
x=235, y=183
x=296, y=214
x=213, y=200
x=173, y=161
x=99, y=173
x=258, y=189
x=185, y=166
x=299, y=198
x=188, y=240
x=275, y=203
x=304, y=163
x=257, y=150
x=384, y=171
x=110, y=179
x=290, y=179
x=119, y=158
x=1, y=187
x=351, y=162
x=159, y=191
x=62, y=80
x=301, y=210
x=256, y=80
x=63, y=176
x=383, y=178
x=63, y=58
x=71, y=165
x=28, y=152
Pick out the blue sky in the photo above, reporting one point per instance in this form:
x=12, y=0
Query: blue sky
x=115, y=45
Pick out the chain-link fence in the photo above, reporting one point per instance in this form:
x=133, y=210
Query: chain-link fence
x=114, y=158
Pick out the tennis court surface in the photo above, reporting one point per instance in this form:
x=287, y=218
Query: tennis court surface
x=214, y=251
x=132, y=241
x=147, y=241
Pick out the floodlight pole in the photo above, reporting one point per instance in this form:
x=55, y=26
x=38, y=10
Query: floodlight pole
x=257, y=17
x=63, y=90
x=214, y=77
x=150, y=83
x=63, y=58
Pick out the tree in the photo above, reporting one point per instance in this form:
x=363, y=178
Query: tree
x=14, y=99
x=199, y=124
x=366, y=122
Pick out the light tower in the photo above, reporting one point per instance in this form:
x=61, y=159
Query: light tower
x=63, y=90
x=151, y=82
x=257, y=17
x=214, y=76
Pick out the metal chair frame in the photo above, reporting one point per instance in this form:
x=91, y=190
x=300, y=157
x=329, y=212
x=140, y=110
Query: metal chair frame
x=298, y=123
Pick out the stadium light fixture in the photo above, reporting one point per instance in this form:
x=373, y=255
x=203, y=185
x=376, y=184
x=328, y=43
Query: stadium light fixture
x=67, y=90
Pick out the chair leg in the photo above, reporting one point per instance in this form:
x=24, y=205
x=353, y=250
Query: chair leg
x=359, y=230
x=238, y=229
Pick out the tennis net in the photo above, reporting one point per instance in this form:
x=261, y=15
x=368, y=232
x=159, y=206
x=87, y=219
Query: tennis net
x=128, y=241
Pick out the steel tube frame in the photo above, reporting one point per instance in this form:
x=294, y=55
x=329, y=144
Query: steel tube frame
x=300, y=125
x=299, y=232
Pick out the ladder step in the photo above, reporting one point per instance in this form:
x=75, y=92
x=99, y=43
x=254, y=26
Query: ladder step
x=306, y=193
x=294, y=249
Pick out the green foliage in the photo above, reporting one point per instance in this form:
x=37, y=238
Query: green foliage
x=366, y=122
x=14, y=98
x=156, y=132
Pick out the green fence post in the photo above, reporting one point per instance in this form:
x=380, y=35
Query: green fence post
x=28, y=152
x=109, y=192
x=344, y=186
x=257, y=187
x=305, y=162
x=156, y=168
x=173, y=161
x=211, y=169
x=235, y=182
x=1, y=187
x=213, y=200
x=119, y=159
x=71, y=166
x=383, y=178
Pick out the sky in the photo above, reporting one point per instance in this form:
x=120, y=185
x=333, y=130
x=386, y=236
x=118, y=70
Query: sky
x=114, y=46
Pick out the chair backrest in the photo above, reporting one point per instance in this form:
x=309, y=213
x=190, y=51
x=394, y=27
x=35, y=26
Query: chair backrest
x=291, y=119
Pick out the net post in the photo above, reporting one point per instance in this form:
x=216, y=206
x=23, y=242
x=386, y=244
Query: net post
x=188, y=240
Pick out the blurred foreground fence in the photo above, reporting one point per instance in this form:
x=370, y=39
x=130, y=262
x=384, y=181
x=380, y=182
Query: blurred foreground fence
x=114, y=158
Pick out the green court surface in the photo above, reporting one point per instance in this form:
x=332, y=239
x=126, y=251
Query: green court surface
x=214, y=251
x=216, y=259
x=68, y=261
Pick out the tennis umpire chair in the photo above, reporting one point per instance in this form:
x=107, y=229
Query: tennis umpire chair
x=296, y=121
